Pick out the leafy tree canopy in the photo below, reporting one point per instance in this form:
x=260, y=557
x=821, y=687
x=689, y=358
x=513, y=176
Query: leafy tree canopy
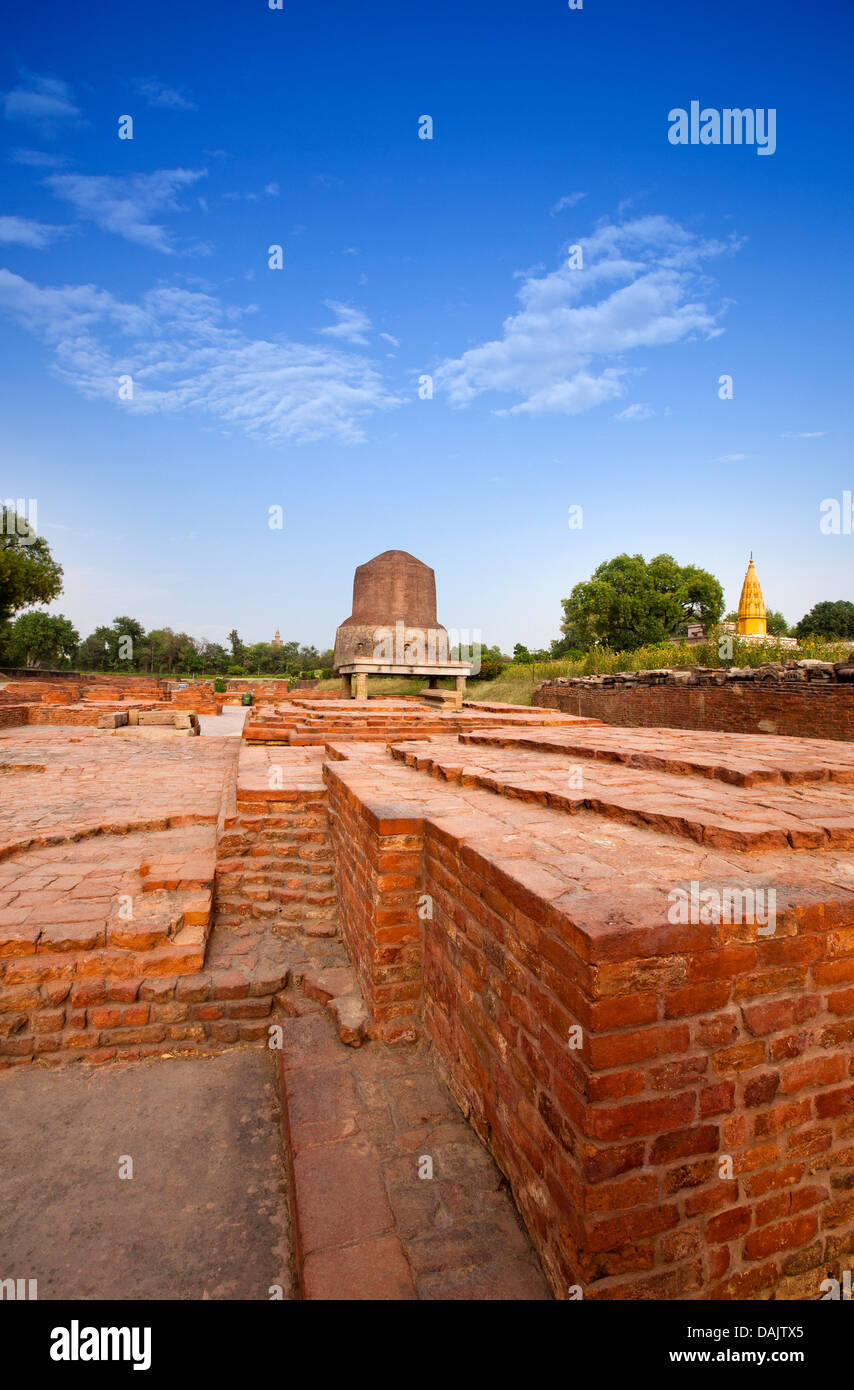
x=28, y=571
x=828, y=619
x=40, y=638
x=628, y=603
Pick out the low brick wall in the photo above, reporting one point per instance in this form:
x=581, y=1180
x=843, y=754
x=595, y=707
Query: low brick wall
x=274, y=862
x=617, y=1152
x=379, y=874
x=789, y=708
x=672, y=1105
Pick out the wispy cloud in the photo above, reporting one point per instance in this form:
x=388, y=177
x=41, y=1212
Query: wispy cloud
x=352, y=323
x=805, y=434
x=126, y=205
x=156, y=94
x=38, y=159
x=22, y=232
x=730, y=458
x=40, y=101
x=639, y=411
x=642, y=286
x=569, y=200
x=187, y=351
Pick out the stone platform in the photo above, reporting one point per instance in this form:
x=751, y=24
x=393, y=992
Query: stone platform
x=318, y=722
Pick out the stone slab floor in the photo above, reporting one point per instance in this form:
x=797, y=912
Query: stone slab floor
x=204, y=1215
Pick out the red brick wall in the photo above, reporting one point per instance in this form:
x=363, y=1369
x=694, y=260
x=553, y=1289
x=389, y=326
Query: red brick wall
x=274, y=861
x=814, y=710
x=699, y=1142
x=13, y=715
x=379, y=875
x=724, y=1044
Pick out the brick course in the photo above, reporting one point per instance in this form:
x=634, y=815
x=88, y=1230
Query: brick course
x=811, y=710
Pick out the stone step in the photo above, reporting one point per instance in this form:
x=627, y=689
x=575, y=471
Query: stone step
x=707, y=811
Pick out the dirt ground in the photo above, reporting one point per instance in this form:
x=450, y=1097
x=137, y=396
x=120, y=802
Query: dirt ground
x=204, y=1215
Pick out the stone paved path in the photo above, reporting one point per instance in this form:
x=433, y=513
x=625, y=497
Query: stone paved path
x=396, y=1197
x=204, y=1215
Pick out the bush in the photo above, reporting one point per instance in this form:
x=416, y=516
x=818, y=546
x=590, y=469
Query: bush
x=601, y=661
x=236, y=671
x=219, y=686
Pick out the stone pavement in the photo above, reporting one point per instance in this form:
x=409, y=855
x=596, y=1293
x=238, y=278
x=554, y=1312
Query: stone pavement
x=394, y=1196
x=204, y=1214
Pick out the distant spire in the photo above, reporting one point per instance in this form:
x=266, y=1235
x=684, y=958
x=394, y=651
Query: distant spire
x=751, y=605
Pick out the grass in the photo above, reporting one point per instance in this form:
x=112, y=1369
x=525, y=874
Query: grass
x=516, y=683
x=601, y=661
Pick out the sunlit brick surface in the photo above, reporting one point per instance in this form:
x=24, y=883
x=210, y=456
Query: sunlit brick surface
x=671, y=1098
x=699, y=1042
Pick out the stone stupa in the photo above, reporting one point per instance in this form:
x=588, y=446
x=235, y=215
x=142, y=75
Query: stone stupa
x=393, y=629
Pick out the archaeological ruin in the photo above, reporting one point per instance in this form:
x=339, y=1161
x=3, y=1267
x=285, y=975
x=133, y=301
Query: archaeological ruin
x=393, y=630
x=600, y=975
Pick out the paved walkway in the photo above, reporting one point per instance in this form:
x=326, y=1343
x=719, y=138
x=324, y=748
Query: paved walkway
x=396, y=1198
x=229, y=724
x=204, y=1215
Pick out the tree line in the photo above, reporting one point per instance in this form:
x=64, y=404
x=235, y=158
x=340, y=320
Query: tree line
x=627, y=603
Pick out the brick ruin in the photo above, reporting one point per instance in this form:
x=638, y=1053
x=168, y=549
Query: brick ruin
x=794, y=699
x=669, y=1096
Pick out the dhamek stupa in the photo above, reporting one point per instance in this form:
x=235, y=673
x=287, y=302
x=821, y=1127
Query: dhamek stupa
x=393, y=629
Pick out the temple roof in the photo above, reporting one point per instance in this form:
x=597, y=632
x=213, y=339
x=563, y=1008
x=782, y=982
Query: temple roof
x=751, y=604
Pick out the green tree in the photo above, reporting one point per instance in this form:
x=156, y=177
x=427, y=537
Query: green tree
x=214, y=657
x=236, y=645
x=492, y=661
x=39, y=637
x=163, y=649
x=28, y=571
x=94, y=654
x=628, y=603
x=127, y=645
x=776, y=624
x=828, y=619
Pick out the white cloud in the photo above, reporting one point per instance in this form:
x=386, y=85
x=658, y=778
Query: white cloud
x=352, y=323
x=42, y=101
x=641, y=287
x=157, y=95
x=38, y=159
x=730, y=458
x=569, y=200
x=125, y=204
x=639, y=411
x=186, y=351
x=22, y=232
x=272, y=190
x=395, y=342
x=805, y=434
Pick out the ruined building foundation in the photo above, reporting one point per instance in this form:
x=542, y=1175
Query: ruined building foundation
x=627, y=953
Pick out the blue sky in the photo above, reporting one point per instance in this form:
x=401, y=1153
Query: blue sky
x=553, y=387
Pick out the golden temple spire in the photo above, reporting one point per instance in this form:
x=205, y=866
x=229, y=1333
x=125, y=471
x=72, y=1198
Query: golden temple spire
x=751, y=605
